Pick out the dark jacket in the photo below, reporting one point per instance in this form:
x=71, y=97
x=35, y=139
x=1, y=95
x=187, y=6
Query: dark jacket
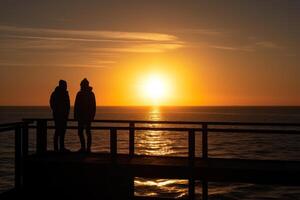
x=60, y=104
x=85, y=105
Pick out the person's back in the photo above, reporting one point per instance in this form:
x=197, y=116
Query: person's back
x=84, y=113
x=60, y=105
x=85, y=105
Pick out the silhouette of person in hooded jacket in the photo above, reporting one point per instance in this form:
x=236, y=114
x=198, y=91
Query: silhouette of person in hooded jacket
x=84, y=113
x=60, y=105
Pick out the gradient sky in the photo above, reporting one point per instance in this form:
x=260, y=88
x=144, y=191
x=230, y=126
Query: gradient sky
x=216, y=53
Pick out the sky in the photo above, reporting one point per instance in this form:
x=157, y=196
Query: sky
x=205, y=53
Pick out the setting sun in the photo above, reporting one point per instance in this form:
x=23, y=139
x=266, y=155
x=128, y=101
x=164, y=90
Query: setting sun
x=155, y=88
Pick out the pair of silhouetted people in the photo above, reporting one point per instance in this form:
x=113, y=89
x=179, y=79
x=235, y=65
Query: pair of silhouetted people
x=84, y=113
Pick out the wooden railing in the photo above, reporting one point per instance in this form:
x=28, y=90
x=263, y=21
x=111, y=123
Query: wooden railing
x=41, y=127
x=190, y=127
x=20, y=130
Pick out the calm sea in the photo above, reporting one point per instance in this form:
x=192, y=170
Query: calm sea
x=252, y=146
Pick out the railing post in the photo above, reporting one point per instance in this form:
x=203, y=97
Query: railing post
x=131, y=139
x=113, y=142
x=191, y=146
x=41, y=136
x=204, y=190
x=18, y=157
x=204, y=141
x=25, y=139
x=191, y=191
x=191, y=183
x=131, y=189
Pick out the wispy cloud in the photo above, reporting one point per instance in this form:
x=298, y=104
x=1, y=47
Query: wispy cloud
x=267, y=44
x=44, y=38
x=104, y=64
x=231, y=48
x=109, y=45
x=145, y=48
x=207, y=32
x=249, y=47
x=91, y=34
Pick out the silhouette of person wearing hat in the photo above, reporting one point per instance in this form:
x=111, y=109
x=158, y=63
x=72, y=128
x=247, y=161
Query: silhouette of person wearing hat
x=84, y=113
x=60, y=105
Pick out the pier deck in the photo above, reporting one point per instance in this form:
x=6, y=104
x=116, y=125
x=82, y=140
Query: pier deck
x=211, y=169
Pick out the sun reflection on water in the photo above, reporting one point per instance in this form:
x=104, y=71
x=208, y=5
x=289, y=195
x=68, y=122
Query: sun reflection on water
x=154, y=142
x=157, y=143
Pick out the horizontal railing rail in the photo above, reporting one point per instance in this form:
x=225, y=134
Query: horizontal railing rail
x=41, y=126
x=181, y=122
x=10, y=126
x=214, y=130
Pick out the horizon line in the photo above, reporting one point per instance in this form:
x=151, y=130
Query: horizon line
x=163, y=105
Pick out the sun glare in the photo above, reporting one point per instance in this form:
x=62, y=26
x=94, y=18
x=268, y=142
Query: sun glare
x=155, y=88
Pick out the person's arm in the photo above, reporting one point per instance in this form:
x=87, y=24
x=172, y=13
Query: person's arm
x=76, y=107
x=93, y=105
x=52, y=101
x=68, y=104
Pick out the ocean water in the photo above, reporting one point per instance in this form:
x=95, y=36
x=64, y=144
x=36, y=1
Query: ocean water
x=251, y=146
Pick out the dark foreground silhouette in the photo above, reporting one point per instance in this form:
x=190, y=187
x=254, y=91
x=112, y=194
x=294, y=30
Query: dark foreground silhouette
x=84, y=113
x=43, y=174
x=60, y=105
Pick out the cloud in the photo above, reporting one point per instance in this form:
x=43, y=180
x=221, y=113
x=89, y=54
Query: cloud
x=207, y=32
x=87, y=40
x=249, y=47
x=103, y=64
x=267, y=44
x=231, y=48
x=90, y=34
x=146, y=48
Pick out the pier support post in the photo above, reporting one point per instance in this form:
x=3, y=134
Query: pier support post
x=41, y=136
x=204, y=141
x=131, y=139
x=18, y=157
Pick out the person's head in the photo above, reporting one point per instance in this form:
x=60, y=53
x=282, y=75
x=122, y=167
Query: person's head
x=84, y=84
x=62, y=84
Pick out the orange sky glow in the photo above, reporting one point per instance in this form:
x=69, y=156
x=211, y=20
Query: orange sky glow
x=150, y=53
